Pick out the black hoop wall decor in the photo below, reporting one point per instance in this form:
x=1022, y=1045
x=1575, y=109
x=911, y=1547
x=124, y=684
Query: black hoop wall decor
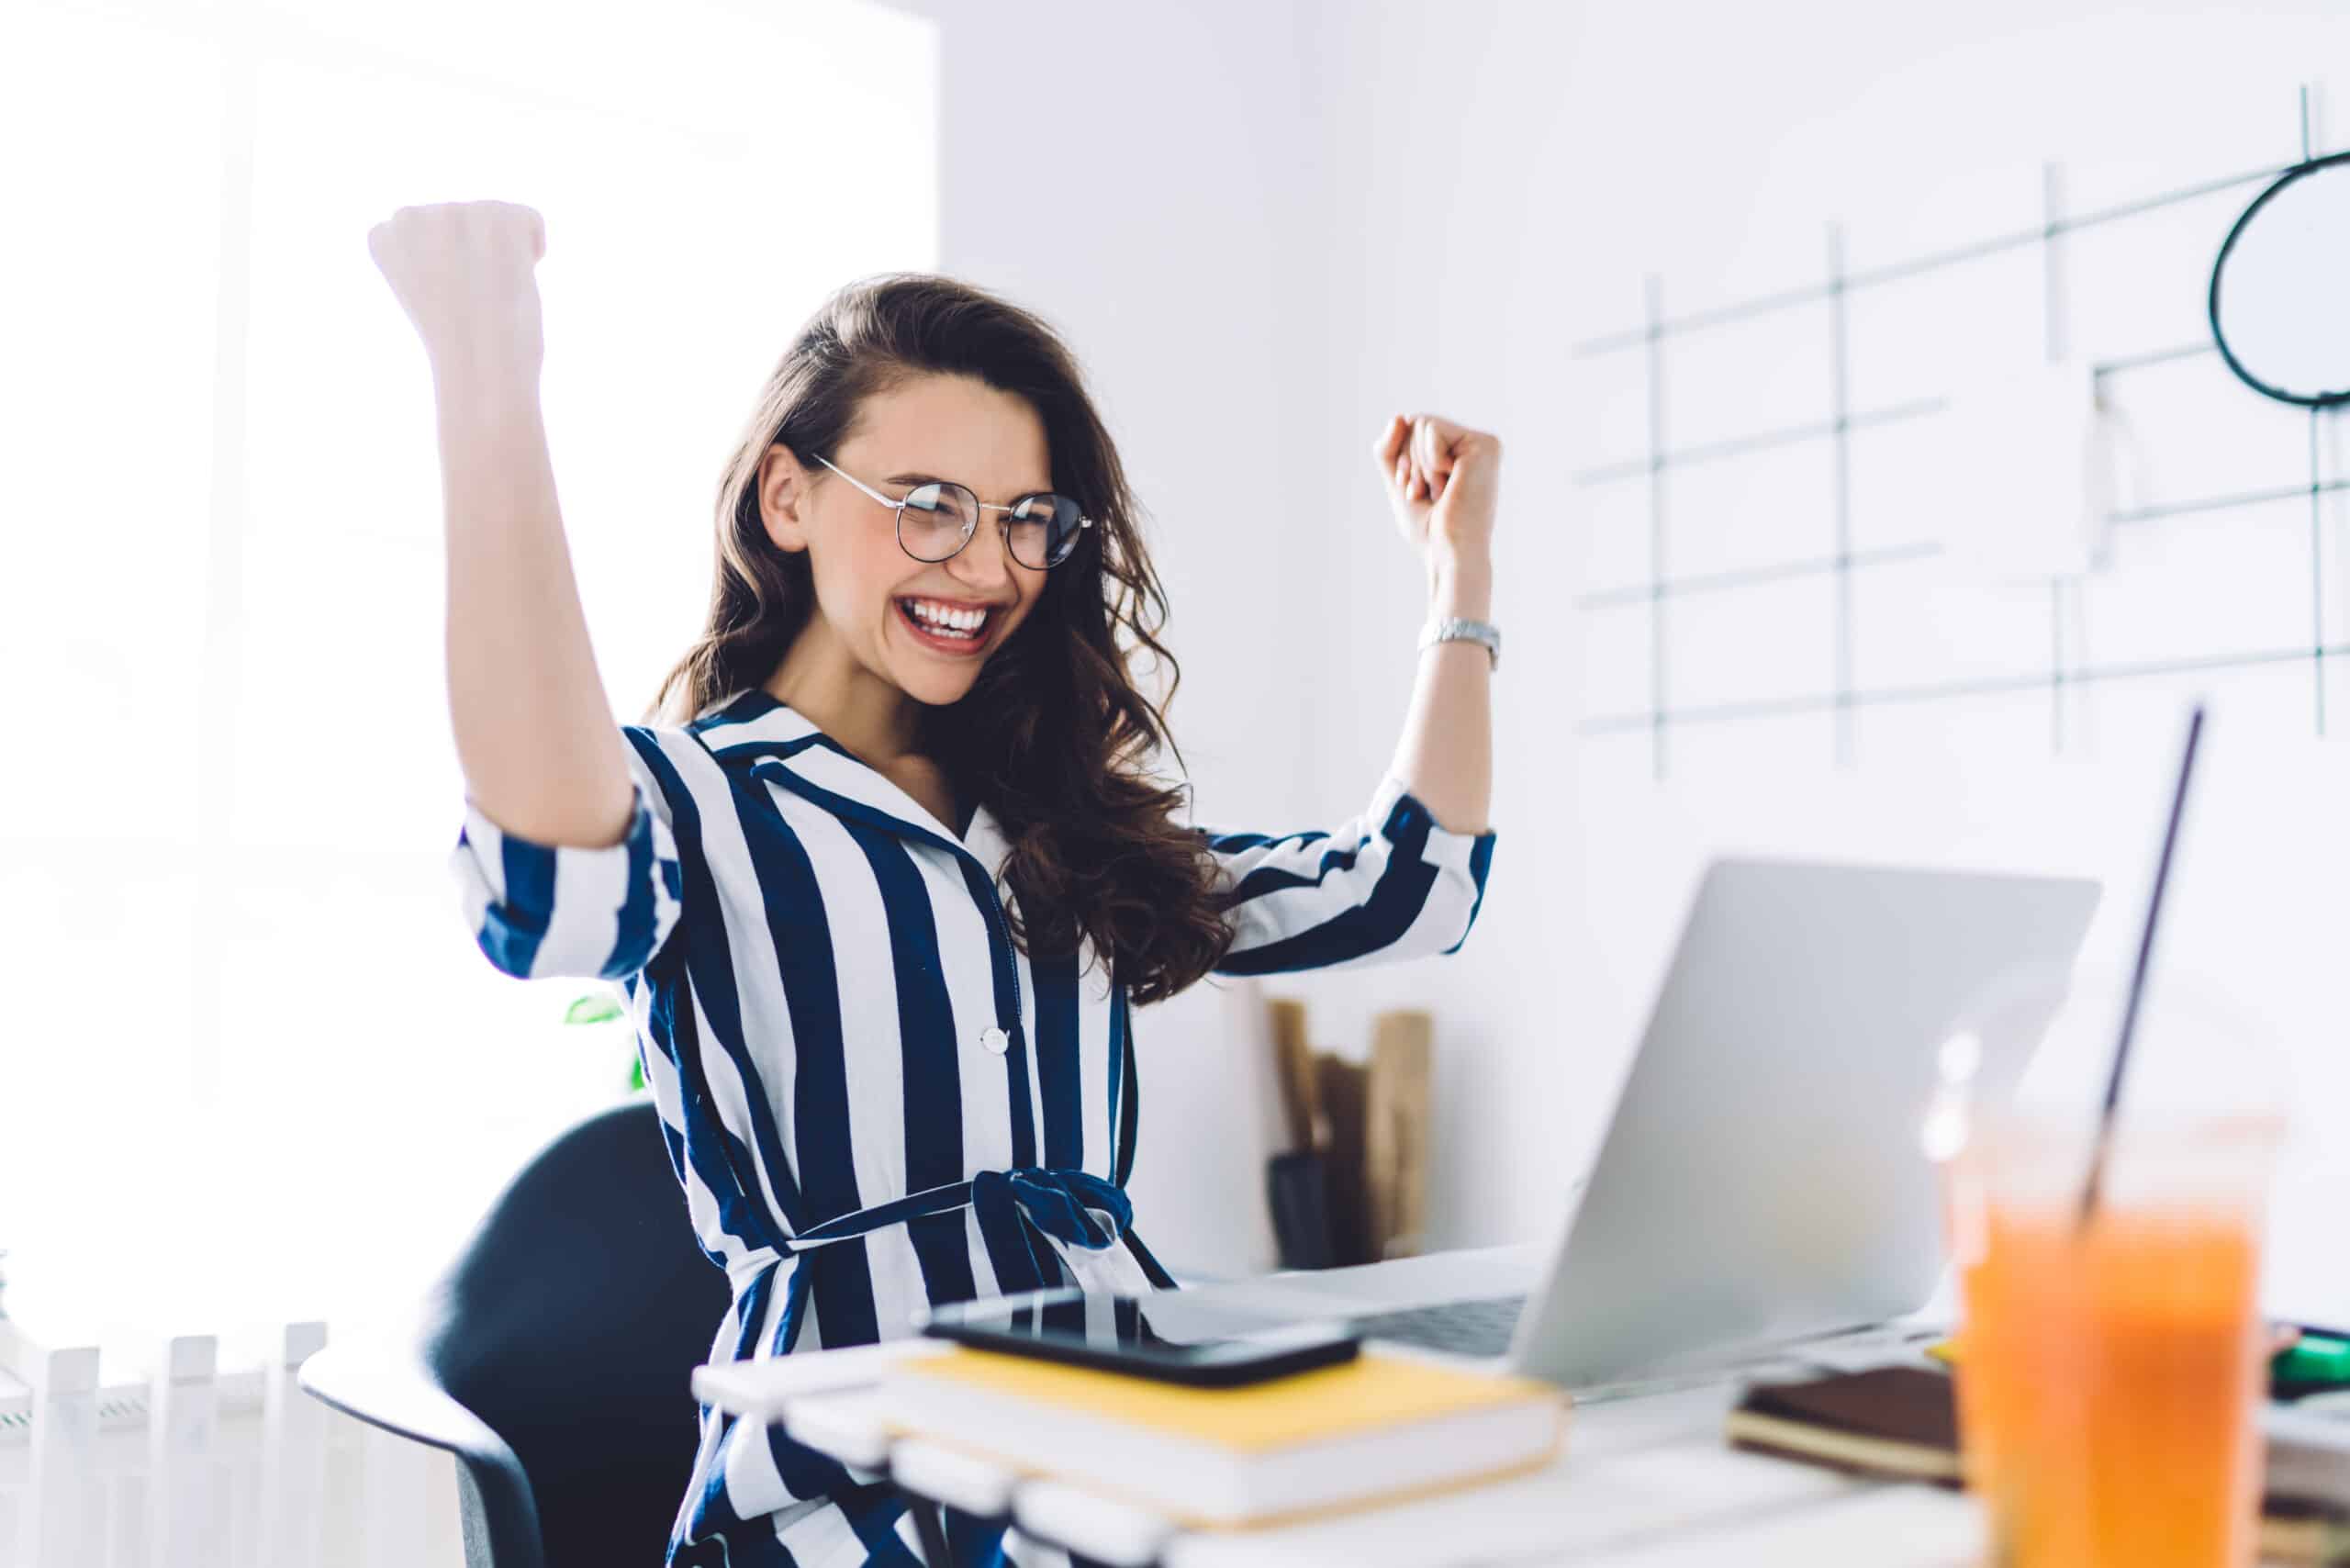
x=2292, y=176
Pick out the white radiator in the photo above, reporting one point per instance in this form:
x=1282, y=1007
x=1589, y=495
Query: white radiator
x=202, y=1467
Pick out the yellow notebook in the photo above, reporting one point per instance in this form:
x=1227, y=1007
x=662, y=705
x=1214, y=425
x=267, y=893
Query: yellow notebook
x=1378, y=1429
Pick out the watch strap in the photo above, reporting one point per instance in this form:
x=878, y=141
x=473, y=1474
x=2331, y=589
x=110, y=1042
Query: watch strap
x=1455, y=629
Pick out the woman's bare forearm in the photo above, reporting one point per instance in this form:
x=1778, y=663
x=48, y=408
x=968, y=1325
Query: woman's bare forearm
x=1443, y=483
x=1446, y=753
x=542, y=755
x=535, y=737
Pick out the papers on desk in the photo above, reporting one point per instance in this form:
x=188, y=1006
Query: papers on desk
x=762, y=1389
x=1372, y=1430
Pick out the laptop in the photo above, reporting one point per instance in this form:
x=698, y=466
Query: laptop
x=1762, y=1181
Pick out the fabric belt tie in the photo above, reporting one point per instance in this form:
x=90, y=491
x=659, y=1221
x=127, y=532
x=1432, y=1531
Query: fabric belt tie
x=1064, y=1205
x=1015, y=1209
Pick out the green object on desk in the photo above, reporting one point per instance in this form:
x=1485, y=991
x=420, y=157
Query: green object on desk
x=2317, y=1357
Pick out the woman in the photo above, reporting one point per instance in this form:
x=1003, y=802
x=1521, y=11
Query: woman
x=884, y=876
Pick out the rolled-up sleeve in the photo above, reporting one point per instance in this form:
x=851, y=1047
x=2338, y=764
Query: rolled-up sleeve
x=539, y=910
x=1389, y=885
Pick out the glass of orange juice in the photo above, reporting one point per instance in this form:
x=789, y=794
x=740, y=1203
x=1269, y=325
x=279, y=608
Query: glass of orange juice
x=2112, y=1360
x=2112, y=1355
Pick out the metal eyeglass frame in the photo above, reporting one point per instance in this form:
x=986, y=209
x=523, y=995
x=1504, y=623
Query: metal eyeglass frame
x=898, y=521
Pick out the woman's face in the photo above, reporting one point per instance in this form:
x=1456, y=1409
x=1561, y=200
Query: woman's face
x=911, y=622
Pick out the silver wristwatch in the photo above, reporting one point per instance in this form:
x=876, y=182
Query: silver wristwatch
x=1454, y=630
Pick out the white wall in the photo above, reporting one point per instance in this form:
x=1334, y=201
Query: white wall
x=1501, y=177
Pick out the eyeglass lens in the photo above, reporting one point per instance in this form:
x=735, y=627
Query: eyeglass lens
x=937, y=519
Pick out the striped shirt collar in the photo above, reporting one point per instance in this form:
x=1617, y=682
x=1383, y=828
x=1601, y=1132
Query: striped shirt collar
x=755, y=726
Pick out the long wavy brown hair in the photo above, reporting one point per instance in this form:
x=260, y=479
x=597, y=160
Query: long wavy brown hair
x=1055, y=738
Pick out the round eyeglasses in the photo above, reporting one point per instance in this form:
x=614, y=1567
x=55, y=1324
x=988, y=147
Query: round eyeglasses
x=937, y=519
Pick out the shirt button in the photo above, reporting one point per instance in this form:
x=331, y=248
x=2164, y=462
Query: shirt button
x=995, y=1040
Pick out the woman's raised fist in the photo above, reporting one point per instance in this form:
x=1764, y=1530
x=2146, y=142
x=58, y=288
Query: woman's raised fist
x=463, y=271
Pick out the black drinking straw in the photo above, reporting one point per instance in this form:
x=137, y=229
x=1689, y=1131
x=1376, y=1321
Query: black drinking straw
x=2138, y=975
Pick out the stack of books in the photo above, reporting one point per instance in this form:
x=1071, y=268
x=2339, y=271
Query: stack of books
x=1377, y=1429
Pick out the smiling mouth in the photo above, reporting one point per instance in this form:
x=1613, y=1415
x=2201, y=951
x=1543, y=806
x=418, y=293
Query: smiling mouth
x=950, y=628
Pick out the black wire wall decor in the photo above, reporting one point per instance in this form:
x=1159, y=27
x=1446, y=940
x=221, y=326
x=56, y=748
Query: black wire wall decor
x=2316, y=191
x=1847, y=566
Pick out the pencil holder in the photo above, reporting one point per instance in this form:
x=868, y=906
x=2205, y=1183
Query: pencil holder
x=1298, y=1189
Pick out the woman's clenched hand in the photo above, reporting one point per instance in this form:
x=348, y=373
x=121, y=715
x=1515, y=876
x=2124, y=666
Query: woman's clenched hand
x=464, y=271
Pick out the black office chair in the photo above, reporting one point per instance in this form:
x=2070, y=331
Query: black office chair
x=553, y=1359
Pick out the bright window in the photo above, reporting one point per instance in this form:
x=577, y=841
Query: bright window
x=254, y=1068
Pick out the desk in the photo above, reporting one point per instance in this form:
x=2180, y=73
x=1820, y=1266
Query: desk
x=1643, y=1482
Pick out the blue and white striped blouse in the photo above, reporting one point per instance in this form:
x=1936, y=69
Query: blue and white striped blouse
x=874, y=1100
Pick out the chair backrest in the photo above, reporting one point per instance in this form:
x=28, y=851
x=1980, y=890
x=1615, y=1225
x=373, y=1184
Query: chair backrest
x=570, y=1324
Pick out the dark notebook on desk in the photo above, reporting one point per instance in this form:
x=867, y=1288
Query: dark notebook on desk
x=1902, y=1422
x=1887, y=1421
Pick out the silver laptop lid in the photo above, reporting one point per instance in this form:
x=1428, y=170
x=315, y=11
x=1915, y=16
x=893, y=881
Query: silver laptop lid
x=1763, y=1177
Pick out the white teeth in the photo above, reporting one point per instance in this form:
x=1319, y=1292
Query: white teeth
x=947, y=619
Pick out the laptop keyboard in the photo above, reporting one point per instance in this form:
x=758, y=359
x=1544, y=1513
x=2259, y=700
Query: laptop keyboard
x=1460, y=1327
